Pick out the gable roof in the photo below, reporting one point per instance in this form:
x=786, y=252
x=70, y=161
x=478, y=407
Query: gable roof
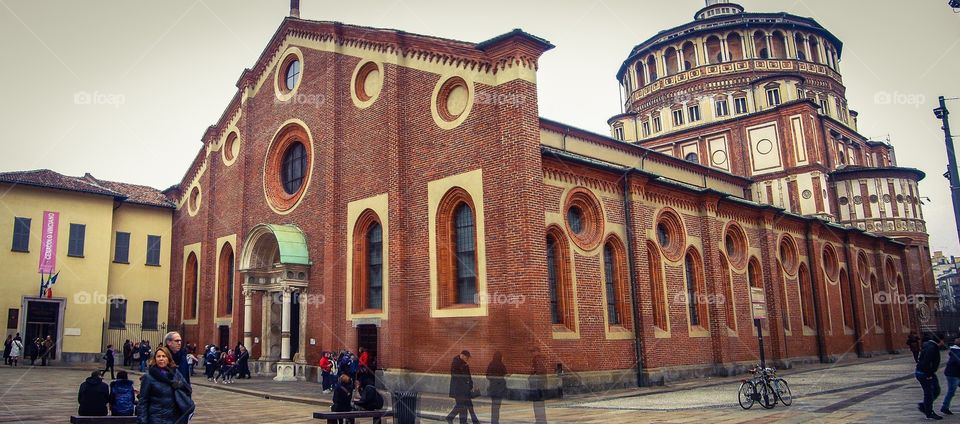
x=122, y=192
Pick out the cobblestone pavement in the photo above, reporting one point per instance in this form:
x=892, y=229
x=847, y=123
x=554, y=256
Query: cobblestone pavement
x=860, y=392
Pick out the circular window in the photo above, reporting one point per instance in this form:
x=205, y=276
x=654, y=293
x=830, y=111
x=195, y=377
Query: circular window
x=806, y=194
x=368, y=83
x=719, y=157
x=584, y=218
x=692, y=157
x=735, y=244
x=291, y=74
x=873, y=198
x=670, y=234
x=231, y=148
x=193, y=201
x=844, y=201
x=857, y=200
x=287, y=170
x=452, y=102
x=899, y=198
x=831, y=265
x=886, y=198
x=789, y=258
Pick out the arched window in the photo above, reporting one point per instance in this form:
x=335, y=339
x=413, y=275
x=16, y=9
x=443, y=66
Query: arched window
x=714, y=54
x=778, y=44
x=641, y=76
x=904, y=312
x=815, y=50
x=760, y=45
x=692, y=157
x=294, y=168
x=652, y=68
x=877, y=307
x=798, y=42
x=225, y=280
x=457, y=249
x=806, y=297
x=693, y=275
x=727, y=283
x=657, y=296
x=558, y=280
x=670, y=58
x=735, y=46
x=614, y=274
x=191, y=279
x=368, y=269
x=845, y=299
x=754, y=275
x=689, y=55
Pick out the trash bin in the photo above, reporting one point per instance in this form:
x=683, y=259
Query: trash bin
x=405, y=407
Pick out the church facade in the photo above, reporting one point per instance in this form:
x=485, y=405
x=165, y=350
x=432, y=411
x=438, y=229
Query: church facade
x=399, y=192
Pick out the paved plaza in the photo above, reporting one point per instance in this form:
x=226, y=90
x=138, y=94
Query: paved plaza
x=861, y=391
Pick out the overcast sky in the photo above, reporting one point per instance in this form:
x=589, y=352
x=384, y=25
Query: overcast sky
x=125, y=89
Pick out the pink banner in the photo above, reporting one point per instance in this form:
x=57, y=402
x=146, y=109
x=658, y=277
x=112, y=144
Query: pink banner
x=48, y=242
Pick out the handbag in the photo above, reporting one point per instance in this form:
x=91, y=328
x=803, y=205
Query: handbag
x=184, y=402
x=136, y=355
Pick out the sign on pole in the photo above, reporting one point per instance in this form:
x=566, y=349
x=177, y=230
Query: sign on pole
x=48, y=242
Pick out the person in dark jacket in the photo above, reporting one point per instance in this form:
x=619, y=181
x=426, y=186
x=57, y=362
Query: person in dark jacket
x=145, y=350
x=174, y=344
x=164, y=394
x=122, y=397
x=109, y=357
x=952, y=372
x=461, y=389
x=94, y=395
x=342, y=394
x=6, y=349
x=926, y=374
x=370, y=399
x=496, y=375
x=127, y=352
x=243, y=361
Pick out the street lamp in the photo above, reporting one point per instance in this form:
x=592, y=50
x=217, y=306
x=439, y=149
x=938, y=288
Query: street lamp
x=943, y=114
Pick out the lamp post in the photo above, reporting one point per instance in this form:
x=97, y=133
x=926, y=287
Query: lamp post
x=943, y=114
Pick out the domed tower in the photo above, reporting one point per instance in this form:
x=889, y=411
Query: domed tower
x=760, y=95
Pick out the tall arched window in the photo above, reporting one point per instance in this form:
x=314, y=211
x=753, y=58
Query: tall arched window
x=693, y=274
x=845, y=299
x=904, y=312
x=689, y=56
x=652, y=68
x=799, y=43
x=614, y=273
x=806, y=296
x=815, y=50
x=714, y=54
x=191, y=279
x=558, y=280
x=778, y=44
x=754, y=275
x=368, y=269
x=641, y=75
x=657, y=296
x=725, y=280
x=457, y=250
x=670, y=59
x=225, y=280
x=760, y=45
x=877, y=308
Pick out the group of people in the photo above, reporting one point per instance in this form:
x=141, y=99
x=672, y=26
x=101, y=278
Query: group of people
x=351, y=379
x=225, y=365
x=165, y=395
x=927, y=356
x=13, y=349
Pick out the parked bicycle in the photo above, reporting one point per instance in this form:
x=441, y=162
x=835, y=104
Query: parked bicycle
x=764, y=387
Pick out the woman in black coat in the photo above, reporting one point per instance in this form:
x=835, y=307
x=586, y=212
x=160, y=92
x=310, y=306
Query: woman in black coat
x=164, y=394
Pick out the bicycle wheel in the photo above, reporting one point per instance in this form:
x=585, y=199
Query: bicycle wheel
x=767, y=398
x=783, y=391
x=747, y=394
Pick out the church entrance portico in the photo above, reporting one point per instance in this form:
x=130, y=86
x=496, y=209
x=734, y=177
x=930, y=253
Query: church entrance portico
x=275, y=265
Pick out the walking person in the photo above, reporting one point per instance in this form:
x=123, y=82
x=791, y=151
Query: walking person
x=109, y=357
x=952, y=372
x=93, y=396
x=926, y=374
x=174, y=344
x=165, y=397
x=913, y=342
x=243, y=361
x=6, y=349
x=461, y=389
x=122, y=395
x=16, y=349
x=496, y=375
x=47, y=352
x=145, y=350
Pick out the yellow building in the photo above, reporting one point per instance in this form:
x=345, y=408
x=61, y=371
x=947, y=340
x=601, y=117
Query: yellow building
x=112, y=255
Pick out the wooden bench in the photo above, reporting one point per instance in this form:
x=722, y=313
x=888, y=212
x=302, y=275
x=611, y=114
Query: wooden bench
x=332, y=417
x=106, y=419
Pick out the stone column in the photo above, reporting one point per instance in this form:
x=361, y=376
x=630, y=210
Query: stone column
x=285, y=325
x=248, y=318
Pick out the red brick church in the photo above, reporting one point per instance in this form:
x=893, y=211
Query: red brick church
x=375, y=188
